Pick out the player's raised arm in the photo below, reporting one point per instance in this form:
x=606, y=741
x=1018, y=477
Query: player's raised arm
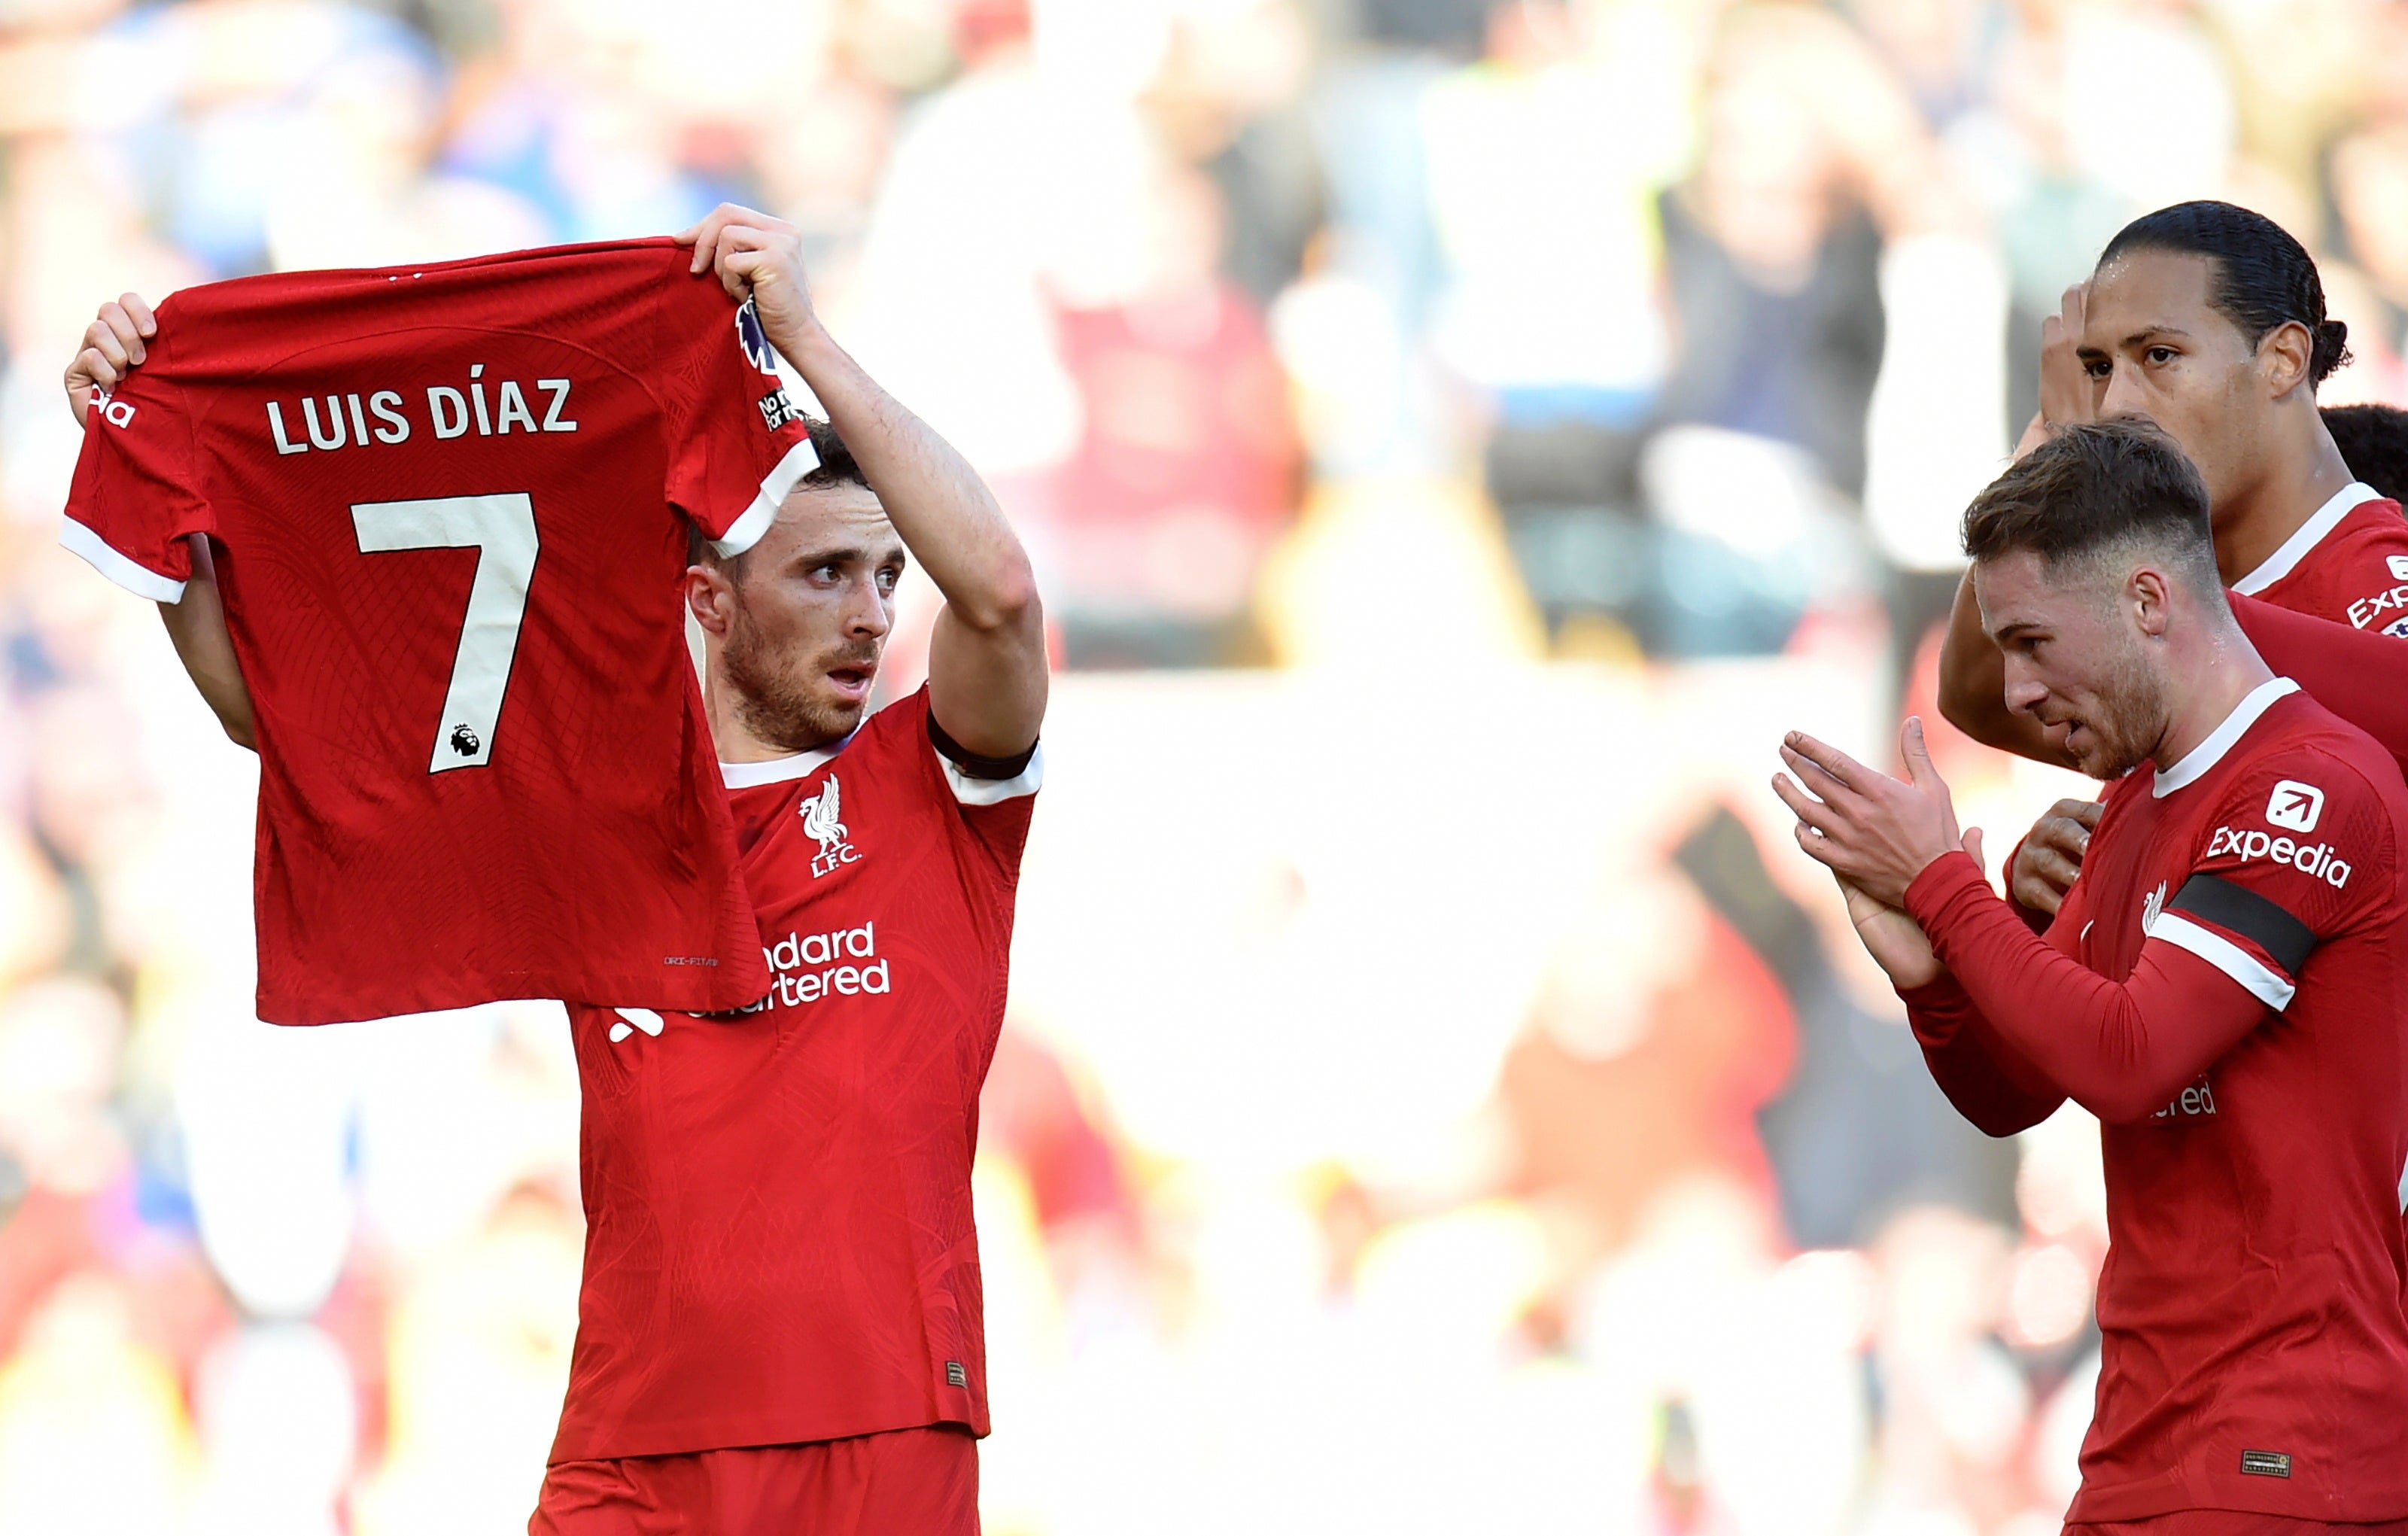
x=987, y=662
x=113, y=346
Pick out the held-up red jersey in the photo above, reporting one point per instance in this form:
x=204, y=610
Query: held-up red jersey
x=2349, y=562
x=779, y=1245
x=2225, y=988
x=446, y=499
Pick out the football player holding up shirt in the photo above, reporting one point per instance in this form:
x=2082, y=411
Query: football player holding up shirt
x=2224, y=990
x=2208, y=319
x=781, y=1323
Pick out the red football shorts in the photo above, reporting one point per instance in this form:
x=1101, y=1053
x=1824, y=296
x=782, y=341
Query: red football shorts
x=903, y=1483
x=2223, y=1522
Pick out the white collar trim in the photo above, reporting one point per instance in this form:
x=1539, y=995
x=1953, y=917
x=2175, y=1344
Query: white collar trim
x=779, y=771
x=2307, y=536
x=2211, y=751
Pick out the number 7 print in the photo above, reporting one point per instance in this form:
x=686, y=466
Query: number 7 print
x=501, y=528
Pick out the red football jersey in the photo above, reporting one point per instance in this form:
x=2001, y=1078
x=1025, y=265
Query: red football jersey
x=779, y=1244
x=2253, y=1353
x=451, y=570
x=2349, y=562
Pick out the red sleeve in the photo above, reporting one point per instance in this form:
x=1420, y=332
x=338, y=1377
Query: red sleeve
x=1989, y=1082
x=736, y=443
x=2120, y=1050
x=137, y=488
x=2360, y=675
x=2301, y=851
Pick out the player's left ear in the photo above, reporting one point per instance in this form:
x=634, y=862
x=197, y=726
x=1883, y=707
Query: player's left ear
x=710, y=597
x=2148, y=592
x=2285, y=355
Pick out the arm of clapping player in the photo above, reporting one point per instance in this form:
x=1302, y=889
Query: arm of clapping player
x=987, y=676
x=113, y=345
x=2120, y=1049
x=1991, y=1085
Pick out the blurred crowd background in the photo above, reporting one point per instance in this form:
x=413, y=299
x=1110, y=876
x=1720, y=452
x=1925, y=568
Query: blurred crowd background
x=1457, y=436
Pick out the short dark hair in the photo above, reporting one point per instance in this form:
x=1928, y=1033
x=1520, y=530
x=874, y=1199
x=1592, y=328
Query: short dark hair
x=2373, y=442
x=2263, y=279
x=837, y=467
x=2091, y=487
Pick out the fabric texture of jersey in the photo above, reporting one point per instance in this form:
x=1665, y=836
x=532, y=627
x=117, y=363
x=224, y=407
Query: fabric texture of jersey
x=443, y=498
x=2253, y=1353
x=779, y=1244
x=2349, y=562
x=903, y=1483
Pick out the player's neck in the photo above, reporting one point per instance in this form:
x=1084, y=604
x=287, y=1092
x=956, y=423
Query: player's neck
x=2304, y=472
x=2217, y=671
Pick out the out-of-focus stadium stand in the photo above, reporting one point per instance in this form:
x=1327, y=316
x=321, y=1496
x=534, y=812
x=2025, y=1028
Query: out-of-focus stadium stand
x=1456, y=436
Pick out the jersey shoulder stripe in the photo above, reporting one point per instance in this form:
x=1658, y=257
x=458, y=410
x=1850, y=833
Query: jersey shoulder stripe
x=2259, y=979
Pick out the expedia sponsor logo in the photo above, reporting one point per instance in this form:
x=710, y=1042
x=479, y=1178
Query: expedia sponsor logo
x=2294, y=807
x=2367, y=609
x=805, y=967
x=115, y=412
x=2317, y=859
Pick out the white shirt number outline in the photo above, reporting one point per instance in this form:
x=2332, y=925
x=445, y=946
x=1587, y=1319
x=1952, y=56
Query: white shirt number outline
x=501, y=528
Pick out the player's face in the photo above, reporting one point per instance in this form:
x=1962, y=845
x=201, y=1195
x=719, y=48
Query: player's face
x=2075, y=661
x=811, y=616
x=2155, y=347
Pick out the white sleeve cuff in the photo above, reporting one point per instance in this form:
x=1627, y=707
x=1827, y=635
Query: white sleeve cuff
x=139, y=580
x=746, y=531
x=2258, y=979
x=969, y=791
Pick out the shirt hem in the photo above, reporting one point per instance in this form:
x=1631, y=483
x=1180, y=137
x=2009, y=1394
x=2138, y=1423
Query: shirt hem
x=2115, y=1506
x=740, y=1435
x=716, y=994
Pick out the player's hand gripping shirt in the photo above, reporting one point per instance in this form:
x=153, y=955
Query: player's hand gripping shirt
x=2226, y=986
x=778, y=1243
x=447, y=503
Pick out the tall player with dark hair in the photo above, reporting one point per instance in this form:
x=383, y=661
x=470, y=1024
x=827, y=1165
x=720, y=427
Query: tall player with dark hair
x=2223, y=989
x=2208, y=319
x=779, y=1328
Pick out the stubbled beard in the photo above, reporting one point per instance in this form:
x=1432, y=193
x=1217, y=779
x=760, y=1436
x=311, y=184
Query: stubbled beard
x=773, y=688
x=2132, y=718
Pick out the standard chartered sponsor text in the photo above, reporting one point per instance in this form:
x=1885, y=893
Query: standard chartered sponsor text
x=805, y=967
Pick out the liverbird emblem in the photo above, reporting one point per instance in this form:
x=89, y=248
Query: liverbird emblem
x=820, y=818
x=2150, y=908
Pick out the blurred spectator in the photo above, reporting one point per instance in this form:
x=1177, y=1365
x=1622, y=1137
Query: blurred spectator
x=1773, y=265
x=1188, y=462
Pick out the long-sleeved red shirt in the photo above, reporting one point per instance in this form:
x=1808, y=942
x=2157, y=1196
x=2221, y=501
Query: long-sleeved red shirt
x=2227, y=988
